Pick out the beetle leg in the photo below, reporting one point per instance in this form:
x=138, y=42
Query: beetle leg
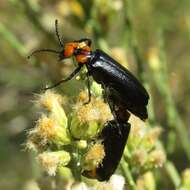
x=114, y=113
x=110, y=102
x=119, y=112
x=112, y=108
x=65, y=80
x=122, y=114
x=88, y=87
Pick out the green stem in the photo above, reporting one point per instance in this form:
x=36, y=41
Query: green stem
x=12, y=39
x=34, y=19
x=132, y=40
x=188, y=25
x=173, y=173
x=151, y=114
x=127, y=174
x=173, y=117
x=74, y=165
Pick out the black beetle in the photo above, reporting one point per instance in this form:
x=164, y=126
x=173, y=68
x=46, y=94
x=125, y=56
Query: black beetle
x=114, y=136
x=114, y=78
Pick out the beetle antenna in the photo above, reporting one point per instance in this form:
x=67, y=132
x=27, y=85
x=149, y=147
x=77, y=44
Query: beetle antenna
x=57, y=33
x=43, y=50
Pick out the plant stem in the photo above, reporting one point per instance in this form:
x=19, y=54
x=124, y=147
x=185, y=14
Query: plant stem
x=173, y=173
x=33, y=17
x=173, y=117
x=13, y=41
x=132, y=41
x=127, y=174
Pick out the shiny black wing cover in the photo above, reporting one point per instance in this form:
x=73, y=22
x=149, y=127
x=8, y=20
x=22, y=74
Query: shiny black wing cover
x=127, y=89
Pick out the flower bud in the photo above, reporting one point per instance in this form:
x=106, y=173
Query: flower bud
x=156, y=158
x=51, y=130
x=82, y=144
x=151, y=137
x=49, y=99
x=139, y=157
x=88, y=120
x=35, y=142
x=94, y=156
x=186, y=178
x=50, y=161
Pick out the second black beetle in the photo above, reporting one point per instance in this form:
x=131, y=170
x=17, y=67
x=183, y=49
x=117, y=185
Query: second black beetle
x=114, y=78
x=113, y=136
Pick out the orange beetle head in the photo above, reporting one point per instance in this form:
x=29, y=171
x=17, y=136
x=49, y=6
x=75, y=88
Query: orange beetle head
x=78, y=48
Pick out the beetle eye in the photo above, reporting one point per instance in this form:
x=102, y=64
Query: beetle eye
x=77, y=51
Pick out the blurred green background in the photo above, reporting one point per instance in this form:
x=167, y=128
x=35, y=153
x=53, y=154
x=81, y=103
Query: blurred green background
x=152, y=37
